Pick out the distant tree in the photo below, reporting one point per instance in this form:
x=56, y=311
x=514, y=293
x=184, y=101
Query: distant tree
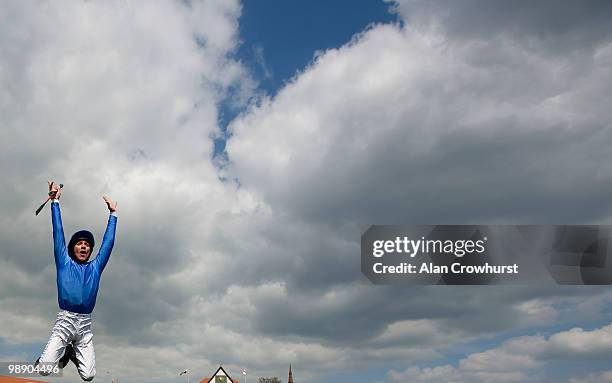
x=273, y=379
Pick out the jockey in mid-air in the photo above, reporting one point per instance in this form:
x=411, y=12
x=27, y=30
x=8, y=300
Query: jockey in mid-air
x=78, y=280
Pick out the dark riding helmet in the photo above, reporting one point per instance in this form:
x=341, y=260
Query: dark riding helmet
x=76, y=237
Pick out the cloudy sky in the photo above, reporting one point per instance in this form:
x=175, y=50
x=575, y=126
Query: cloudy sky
x=249, y=145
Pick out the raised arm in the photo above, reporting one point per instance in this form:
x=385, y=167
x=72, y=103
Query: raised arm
x=109, y=236
x=59, y=242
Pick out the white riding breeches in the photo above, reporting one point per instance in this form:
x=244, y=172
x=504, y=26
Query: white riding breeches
x=76, y=329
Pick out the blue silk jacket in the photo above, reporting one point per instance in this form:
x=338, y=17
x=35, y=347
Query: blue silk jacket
x=77, y=284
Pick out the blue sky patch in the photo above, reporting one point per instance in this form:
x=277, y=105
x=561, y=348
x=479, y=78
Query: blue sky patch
x=280, y=39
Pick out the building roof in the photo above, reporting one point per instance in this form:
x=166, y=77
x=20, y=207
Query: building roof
x=207, y=380
x=210, y=380
x=10, y=379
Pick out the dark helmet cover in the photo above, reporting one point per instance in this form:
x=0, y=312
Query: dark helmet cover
x=76, y=237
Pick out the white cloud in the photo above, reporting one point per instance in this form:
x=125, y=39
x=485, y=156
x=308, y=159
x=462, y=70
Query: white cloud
x=412, y=124
x=596, y=343
x=602, y=377
x=436, y=374
x=519, y=359
x=516, y=354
